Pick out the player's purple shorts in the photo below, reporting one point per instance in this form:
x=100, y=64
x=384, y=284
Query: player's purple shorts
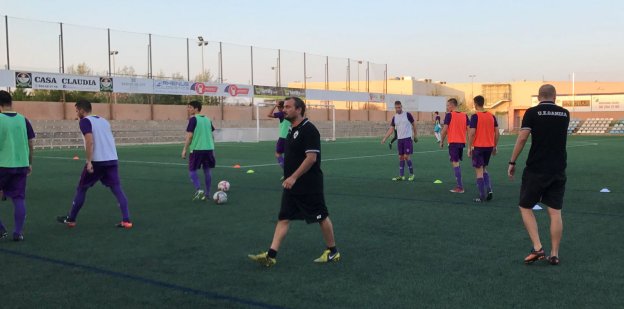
x=201, y=159
x=13, y=181
x=279, y=146
x=405, y=146
x=456, y=152
x=106, y=172
x=481, y=156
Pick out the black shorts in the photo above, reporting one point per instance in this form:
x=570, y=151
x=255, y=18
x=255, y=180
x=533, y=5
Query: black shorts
x=308, y=207
x=546, y=188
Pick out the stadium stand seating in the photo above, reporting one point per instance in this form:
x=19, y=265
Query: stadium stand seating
x=595, y=126
x=618, y=127
x=573, y=125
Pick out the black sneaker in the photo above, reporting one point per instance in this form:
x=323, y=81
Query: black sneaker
x=490, y=196
x=65, y=220
x=553, y=260
x=3, y=233
x=18, y=237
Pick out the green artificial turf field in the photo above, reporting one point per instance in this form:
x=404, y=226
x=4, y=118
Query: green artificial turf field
x=403, y=244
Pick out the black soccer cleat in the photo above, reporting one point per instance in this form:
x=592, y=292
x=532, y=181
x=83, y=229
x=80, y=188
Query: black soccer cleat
x=65, y=220
x=18, y=237
x=3, y=233
x=490, y=196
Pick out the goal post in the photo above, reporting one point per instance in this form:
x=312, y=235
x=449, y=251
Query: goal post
x=326, y=121
x=327, y=133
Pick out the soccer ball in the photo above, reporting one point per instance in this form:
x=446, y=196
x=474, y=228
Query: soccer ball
x=220, y=197
x=223, y=185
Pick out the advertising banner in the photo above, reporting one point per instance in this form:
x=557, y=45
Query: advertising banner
x=608, y=103
x=132, y=85
x=579, y=103
x=278, y=92
x=51, y=81
x=327, y=95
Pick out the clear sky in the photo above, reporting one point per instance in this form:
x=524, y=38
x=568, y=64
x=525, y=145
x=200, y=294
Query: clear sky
x=497, y=41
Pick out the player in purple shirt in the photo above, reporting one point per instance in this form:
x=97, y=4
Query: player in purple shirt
x=101, y=165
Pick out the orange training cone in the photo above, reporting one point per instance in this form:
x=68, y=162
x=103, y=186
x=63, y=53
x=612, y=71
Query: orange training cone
x=76, y=158
x=237, y=166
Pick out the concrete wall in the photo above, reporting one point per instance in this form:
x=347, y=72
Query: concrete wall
x=244, y=114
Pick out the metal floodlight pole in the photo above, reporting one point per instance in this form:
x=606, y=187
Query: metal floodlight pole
x=109, y=53
x=113, y=53
x=6, y=28
x=386, y=79
x=188, y=61
x=252, y=67
x=305, y=73
x=326, y=72
x=62, y=50
x=151, y=70
x=349, y=74
x=202, y=43
x=221, y=62
x=279, y=68
x=367, y=76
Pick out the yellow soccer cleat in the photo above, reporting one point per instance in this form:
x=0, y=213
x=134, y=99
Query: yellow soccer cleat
x=327, y=257
x=411, y=177
x=263, y=259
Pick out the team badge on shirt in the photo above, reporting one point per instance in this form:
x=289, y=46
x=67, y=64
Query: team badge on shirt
x=295, y=134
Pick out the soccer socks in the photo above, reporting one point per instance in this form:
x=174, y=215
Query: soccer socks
x=411, y=168
x=332, y=250
x=19, y=215
x=195, y=179
x=79, y=199
x=481, y=186
x=458, y=176
x=486, y=181
x=272, y=253
x=280, y=161
x=208, y=179
x=401, y=168
x=122, y=200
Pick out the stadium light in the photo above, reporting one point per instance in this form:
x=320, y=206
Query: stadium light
x=114, y=53
x=202, y=43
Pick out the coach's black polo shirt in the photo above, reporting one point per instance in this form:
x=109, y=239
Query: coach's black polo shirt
x=549, y=131
x=302, y=139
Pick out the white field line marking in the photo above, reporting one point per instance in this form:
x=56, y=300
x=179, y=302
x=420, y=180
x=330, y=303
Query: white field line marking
x=330, y=159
